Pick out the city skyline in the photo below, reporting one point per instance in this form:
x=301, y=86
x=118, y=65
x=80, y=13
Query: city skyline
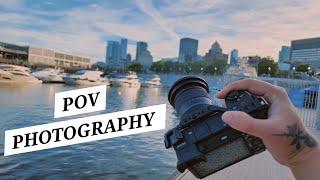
x=83, y=27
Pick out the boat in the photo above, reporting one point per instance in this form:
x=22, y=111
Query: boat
x=86, y=77
x=16, y=74
x=50, y=75
x=130, y=80
x=154, y=82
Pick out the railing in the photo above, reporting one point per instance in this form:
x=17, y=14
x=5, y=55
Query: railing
x=302, y=93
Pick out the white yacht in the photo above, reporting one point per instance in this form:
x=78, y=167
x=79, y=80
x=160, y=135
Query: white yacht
x=50, y=75
x=130, y=80
x=86, y=77
x=154, y=82
x=16, y=74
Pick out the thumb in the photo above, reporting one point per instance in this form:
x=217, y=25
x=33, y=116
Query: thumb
x=243, y=122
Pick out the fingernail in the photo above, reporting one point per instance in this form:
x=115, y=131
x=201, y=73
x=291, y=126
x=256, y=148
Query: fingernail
x=229, y=118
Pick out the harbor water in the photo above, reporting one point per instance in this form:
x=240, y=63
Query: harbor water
x=140, y=156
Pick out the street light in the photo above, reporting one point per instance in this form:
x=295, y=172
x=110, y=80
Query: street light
x=269, y=69
x=201, y=69
x=309, y=70
x=293, y=70
x=215, y=70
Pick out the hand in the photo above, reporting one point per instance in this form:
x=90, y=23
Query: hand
x=283, y=133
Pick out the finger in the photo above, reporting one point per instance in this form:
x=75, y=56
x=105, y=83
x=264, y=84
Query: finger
x=245, y=123
x=256, y=87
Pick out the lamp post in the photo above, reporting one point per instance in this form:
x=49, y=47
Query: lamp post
x=201, y=70
x=269, y=70
x=215, y=70
x=293, y=71
x=309, y=70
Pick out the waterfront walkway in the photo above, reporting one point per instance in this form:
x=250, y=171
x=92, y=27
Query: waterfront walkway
x=258, y=167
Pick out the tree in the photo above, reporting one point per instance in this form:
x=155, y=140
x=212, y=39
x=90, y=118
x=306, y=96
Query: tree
x=267, y=66
x=135, y=67
x=167, y=66
x=99, y=65
x=216, y=67
x=302, y=68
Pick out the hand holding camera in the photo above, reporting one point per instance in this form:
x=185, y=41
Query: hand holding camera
x=283, y=133
x=257, y=115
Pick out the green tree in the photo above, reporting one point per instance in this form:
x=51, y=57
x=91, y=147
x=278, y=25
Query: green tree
x=267, y=66
x=135, y=67
x=302, y=68
x=99, y=65
x=209, y=67
x=217, y=67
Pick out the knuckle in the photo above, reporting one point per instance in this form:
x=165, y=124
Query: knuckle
x=247, y=80
x=281, y=90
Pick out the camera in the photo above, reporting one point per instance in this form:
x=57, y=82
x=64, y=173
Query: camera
x=203, y=143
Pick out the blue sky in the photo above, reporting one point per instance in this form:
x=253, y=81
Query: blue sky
x=83, y=26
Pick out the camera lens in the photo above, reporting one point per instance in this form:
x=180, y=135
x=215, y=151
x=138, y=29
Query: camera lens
x=188, y=92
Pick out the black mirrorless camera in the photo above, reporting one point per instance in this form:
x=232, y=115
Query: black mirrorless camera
x=203, y=143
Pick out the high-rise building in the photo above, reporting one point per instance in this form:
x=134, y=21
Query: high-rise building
x=113, y=54
x=123, y=49
x=284, y=54
x=127, y=61
x=215, y=53
x=188, y=49
x=143, y=55
x=306, y=51
x=129, y=57
x=141, y=47
x=234, y=57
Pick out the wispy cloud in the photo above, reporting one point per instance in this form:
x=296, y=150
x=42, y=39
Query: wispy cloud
x=147, y=7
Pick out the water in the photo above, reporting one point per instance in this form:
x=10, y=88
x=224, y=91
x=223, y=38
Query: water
x=141, y=156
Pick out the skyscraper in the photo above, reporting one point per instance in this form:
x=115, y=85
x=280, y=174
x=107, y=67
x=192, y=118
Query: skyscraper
x=234, y=57
x=306, y=51
x=113, y=54
x=188, y=49
x=143, y=55
x=123, y=49
x=141, y=47
x=215, y=53
x=284, y=54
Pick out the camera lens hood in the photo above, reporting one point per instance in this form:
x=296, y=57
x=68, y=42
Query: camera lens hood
x=184, y=83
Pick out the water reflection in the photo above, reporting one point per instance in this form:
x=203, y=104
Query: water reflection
x=140, y=156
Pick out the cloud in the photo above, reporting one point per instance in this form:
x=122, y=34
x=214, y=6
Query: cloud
x=259, y=27
x=147, y=7
x=11, y=4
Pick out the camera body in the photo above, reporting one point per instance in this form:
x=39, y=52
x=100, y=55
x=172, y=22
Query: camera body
x=204, y=144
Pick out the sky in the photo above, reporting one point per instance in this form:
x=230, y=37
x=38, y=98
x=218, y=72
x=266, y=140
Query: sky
x=83, y=27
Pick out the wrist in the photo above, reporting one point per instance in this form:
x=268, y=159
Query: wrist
x=306, y=164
